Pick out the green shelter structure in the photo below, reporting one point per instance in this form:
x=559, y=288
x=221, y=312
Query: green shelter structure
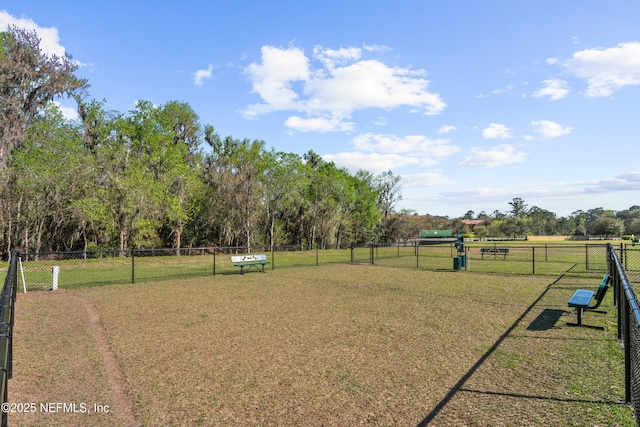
x=430, y=234
x=434, y=237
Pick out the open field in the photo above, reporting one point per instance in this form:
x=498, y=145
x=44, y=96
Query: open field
x=329, y=345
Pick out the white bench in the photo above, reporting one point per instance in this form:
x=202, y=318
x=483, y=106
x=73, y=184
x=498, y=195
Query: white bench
x=257, y=261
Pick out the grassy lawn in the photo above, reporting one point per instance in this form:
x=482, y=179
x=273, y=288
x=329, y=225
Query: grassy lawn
x=337, y=344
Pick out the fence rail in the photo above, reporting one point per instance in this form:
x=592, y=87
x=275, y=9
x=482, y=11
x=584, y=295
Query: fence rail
x=7, y=302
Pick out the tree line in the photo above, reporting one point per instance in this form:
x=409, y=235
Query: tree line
x=521, y=221
x=156, y=177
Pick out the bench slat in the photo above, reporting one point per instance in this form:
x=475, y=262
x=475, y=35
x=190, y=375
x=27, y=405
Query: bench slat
x=581, y=298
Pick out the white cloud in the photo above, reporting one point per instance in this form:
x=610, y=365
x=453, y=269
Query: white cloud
x=496, y=156
x=446, y=129
x=372, y=84
x=378, y=153
x=425, y=180
x=273, y=79
x=373, y=162
x=318, y=124
x=380, y=121
x=68, y=113
x=629, y=181
x=496, y=131
x=200, y=75
x=607, y=70
x=341, y=83
x=554, y=88
x=415, y=144
x=331, y=57
x=508, y=88
x=49, y=38
x=550, y=129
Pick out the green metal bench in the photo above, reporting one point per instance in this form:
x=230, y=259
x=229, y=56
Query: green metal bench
x=495, y=252
x=581, y=300
x=256, y=261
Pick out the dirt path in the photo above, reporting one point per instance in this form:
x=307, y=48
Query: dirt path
x=121, y=402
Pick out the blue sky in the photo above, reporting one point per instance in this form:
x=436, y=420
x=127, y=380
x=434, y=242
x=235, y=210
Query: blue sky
x=472, y=103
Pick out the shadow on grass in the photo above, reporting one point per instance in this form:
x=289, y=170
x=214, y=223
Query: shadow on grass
x=459, y=385
x=533, y=337
x=546, y=320
x=527, y=396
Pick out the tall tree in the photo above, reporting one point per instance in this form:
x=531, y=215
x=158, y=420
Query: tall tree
x=180, y=166
x=543, y=222
x=48, y=171
x=388, y=187
x=606, y=226
x=29, y=80
x=233, y=172
x=284, y=184
x=519, y=208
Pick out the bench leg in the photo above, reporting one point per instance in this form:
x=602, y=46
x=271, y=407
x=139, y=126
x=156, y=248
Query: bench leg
x=579, y=312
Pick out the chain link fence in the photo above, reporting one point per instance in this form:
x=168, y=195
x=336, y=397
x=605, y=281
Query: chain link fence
x=624, y=269
x=98, y=268
x=514, y=259
x=7, y=302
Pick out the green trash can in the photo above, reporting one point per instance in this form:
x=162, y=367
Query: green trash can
x=463, y=261
x=456, y=263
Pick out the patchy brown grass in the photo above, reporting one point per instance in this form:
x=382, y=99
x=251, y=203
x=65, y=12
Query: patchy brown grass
x=335, y=345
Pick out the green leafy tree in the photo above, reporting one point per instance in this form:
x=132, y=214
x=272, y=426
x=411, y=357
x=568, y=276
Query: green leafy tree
x=519, y=208
x=29, y=80
x=542, y=221
x=606, y=227
x=47, y=172
x=179, y=163
x=633, y=227
x=388, y=187
x=284, y=184
x=364, y=213
x=234, y=175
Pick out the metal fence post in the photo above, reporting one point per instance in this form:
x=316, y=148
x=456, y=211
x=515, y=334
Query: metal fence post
x=214, y=261
x=586, y=256
x=467, y=257
x=533, y=260
x=133, y=268
x=546, y=253
x=627, y=353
